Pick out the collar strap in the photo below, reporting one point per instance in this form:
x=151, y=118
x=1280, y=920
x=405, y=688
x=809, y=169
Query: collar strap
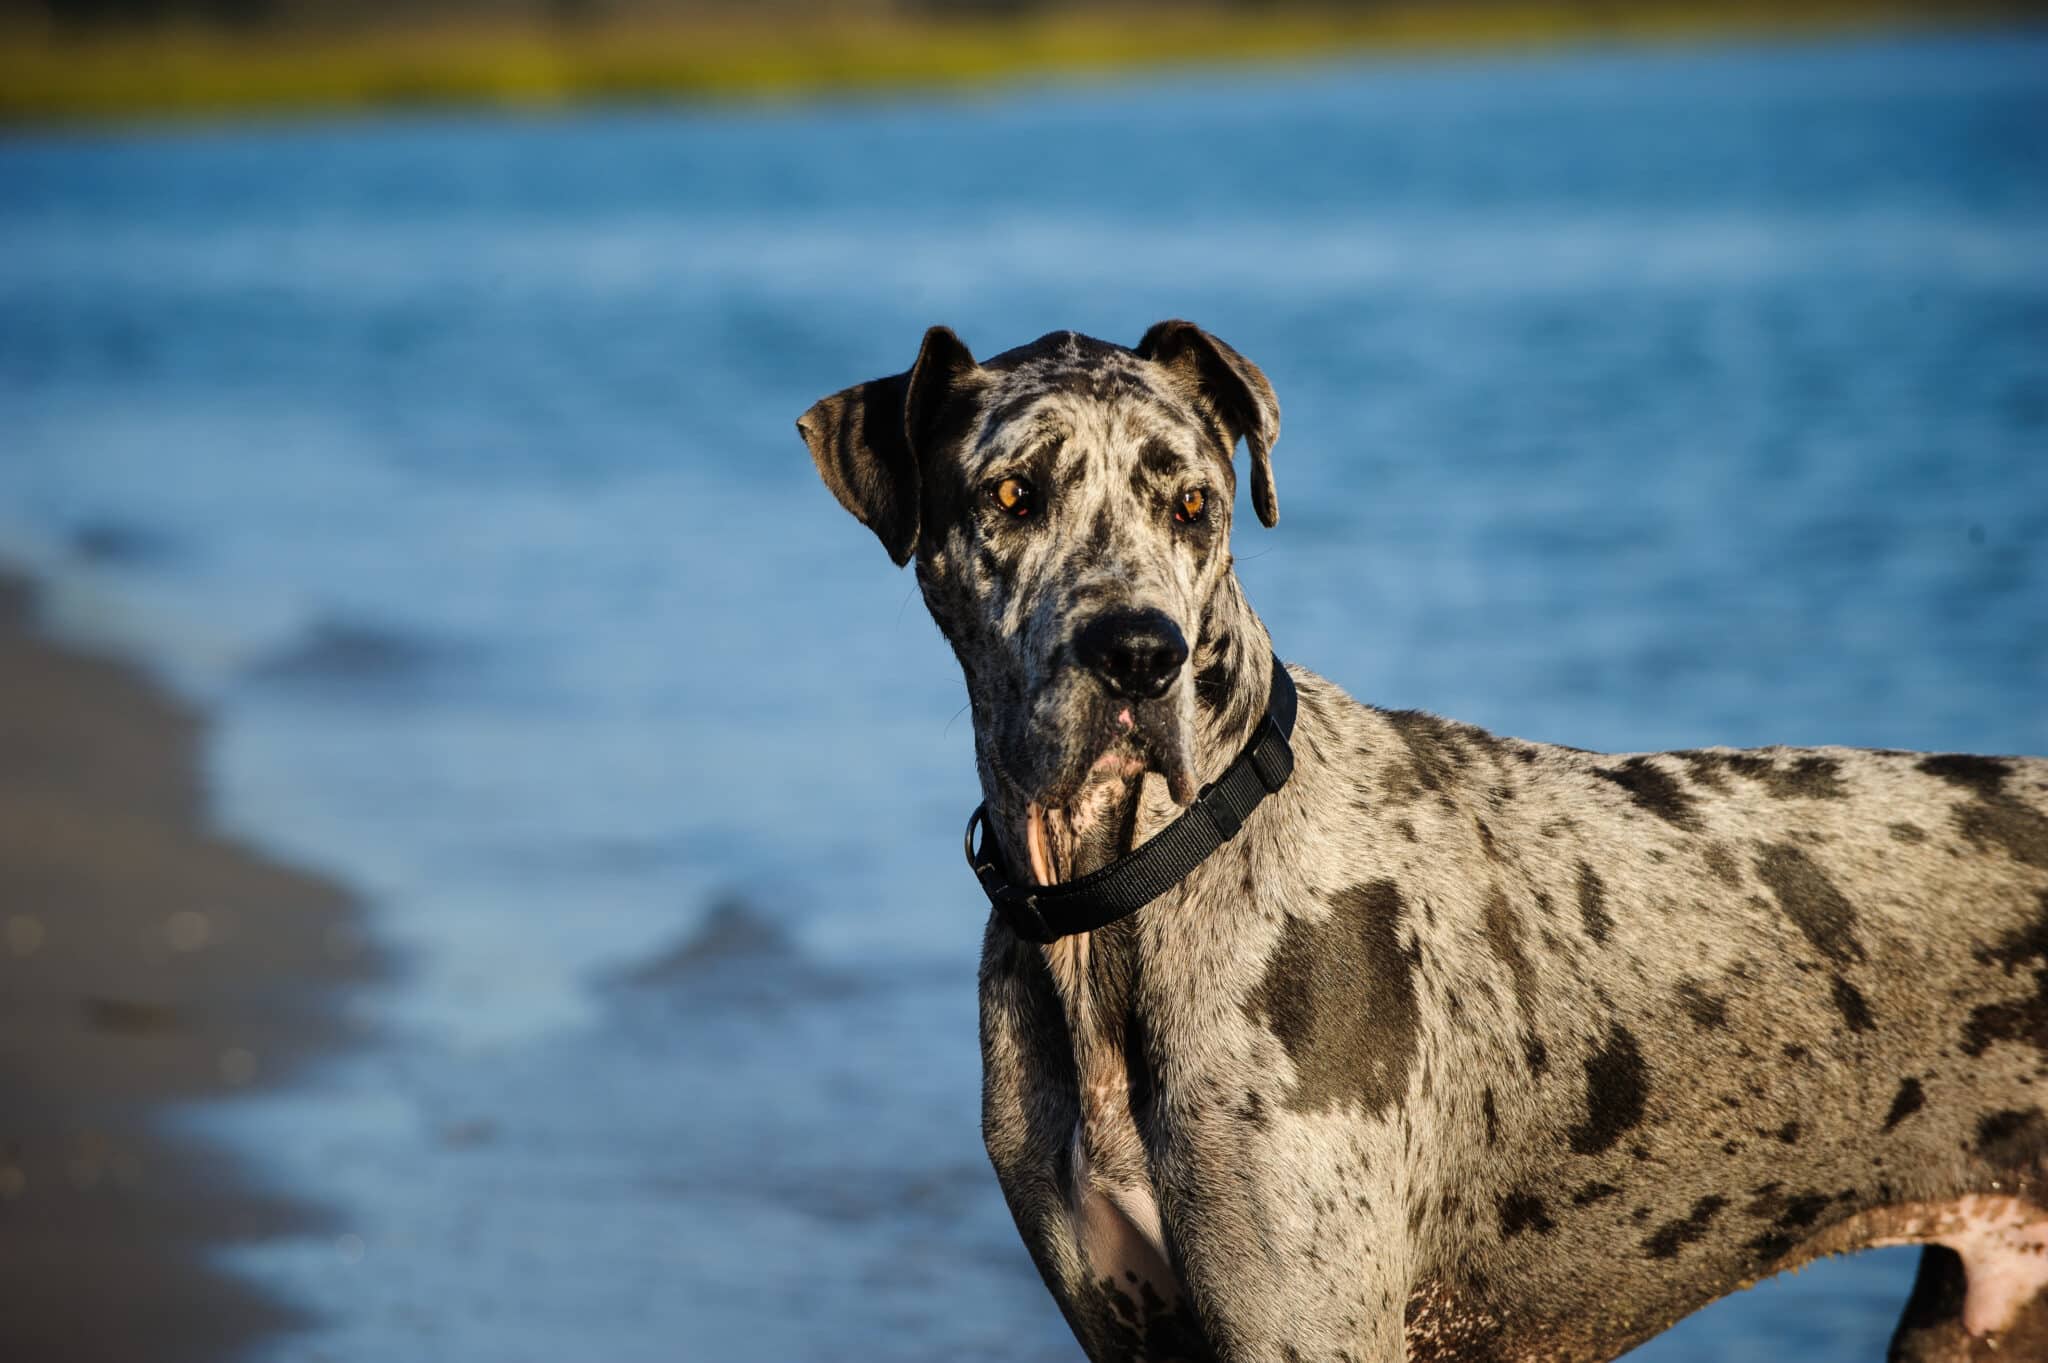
x=1046, y=913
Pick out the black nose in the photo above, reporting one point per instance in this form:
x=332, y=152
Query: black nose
x=1136, y=653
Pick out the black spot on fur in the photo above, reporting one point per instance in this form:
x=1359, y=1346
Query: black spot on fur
x=1593, y=1192
x=2007, y=823
x=1442, y=1328
x=1722, y=863
x=1788, y=1133
x=1593, y=903
x=1616, y=1086
x=1504, y=939
x=1340, y=996
x=1119, y=1325
x=1908, y=833
x=1667, y=1239
x=1524, y=1211
x=1704, y=768
x=1654, y=789
x=1099, y=535
x=1810, y=776
x=1849, y=1001
x=1790, y=1217
x=1773, y=1245
x=2013, y=1139
x=1434, y=752
x=1706, y=1010
x=2023, y=1019
x=1789, y=1213
x=1217, y=680
x=1486, y=1110
x=1994, y=816
x=1811, y=901
x=1907, y=1101
x=1983, y=776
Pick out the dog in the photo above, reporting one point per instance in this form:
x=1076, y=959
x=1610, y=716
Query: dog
x=1460, y=1047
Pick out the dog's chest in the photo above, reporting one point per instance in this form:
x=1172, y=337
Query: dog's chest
x=1112, y=1078
x=1109, y=1200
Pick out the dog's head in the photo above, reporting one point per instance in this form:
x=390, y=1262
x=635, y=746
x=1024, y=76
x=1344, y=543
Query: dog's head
x=1068, y=504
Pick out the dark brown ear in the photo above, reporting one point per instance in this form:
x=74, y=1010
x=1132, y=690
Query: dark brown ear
x=865, y=439
x=1233, y=388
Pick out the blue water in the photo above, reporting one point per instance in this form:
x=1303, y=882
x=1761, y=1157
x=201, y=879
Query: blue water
x=1633, y=400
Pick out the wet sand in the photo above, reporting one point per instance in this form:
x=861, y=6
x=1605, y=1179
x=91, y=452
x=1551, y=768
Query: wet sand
x=144, y=961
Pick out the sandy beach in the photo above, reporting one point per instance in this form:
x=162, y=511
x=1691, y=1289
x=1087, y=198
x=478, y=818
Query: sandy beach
x=144, y=961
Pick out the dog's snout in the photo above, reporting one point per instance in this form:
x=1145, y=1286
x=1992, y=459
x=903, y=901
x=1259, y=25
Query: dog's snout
x=1136, y=653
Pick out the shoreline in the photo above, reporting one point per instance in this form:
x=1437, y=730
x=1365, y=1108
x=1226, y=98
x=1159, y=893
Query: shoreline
x=145, y=961
x=53, y=77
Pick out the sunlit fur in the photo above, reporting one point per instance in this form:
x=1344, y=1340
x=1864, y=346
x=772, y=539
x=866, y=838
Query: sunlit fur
x=1465, y=1047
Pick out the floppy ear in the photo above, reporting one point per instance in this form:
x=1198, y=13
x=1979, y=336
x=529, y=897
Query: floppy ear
x=1233, y=388
x=865, y=439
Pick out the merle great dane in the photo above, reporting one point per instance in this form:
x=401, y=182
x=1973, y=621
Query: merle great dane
x=1460, y=1046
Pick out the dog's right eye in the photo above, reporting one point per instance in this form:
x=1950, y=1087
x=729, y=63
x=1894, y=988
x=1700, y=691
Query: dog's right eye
x=1015, y=497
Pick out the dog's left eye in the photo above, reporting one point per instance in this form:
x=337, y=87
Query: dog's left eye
x=1014, y=496
x=1190, y=505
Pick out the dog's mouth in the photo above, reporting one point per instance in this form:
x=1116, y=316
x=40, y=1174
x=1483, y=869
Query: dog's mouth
x=1089, y=819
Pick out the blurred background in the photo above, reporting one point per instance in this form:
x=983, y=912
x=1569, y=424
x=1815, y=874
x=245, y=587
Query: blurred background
x=478, y=825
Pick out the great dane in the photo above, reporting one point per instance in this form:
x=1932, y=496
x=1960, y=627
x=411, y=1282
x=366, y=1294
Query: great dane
x=1460, y=1047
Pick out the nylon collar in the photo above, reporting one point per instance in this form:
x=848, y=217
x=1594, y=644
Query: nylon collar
x=1046, y=913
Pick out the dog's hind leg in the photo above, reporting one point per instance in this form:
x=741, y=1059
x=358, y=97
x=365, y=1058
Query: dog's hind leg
x=1941, y=1324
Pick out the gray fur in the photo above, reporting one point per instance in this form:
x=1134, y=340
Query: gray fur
x=1465, y=1047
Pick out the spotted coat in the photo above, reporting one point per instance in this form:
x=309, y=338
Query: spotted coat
x=1465, y=1047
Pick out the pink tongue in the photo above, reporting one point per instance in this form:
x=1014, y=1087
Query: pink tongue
x=1123, y=717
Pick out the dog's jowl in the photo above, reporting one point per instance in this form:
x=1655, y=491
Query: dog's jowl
x=1460, y=1047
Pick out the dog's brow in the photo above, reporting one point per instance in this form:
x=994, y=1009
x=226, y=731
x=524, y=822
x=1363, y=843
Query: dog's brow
x=1158, y=457
x=1030, y=430
x=1045, y=445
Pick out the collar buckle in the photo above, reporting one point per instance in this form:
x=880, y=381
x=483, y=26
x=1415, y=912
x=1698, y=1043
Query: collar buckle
x=1271, y=757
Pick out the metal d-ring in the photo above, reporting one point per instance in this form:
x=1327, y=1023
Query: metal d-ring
x=978, y=817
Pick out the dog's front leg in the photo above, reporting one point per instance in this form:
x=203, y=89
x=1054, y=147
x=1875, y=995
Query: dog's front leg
x=1291, y=1251
x=1095, y=1233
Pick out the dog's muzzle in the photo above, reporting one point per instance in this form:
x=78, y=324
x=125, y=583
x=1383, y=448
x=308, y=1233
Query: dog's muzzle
x=1046, y=913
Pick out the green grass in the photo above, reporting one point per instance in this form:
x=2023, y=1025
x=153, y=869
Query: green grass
x=49, y=76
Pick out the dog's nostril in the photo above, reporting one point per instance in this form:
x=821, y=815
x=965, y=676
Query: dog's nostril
x=1136, y=653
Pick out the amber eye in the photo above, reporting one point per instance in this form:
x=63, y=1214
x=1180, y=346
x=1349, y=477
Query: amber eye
x=1015, y=496
x=1191, y=505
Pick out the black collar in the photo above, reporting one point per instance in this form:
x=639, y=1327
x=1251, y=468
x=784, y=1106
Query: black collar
x=1046, y=913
